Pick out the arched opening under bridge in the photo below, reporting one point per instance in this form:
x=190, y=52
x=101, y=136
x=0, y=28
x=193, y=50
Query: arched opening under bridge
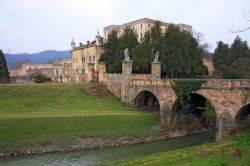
x=194, y=112
x=148, y=100
x=242, y=118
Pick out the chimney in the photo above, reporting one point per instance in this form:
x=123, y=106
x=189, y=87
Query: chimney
x=88, y=43
x=80, y=44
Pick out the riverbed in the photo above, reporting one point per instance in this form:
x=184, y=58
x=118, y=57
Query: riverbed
x=95, y=156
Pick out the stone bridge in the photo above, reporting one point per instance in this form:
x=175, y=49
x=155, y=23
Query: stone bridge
x=228, y=97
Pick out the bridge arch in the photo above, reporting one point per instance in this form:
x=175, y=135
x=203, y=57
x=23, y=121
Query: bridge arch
x=242, y=117
x=164, y=95
x=204, y=98
x=207, y=96
x=146, y=98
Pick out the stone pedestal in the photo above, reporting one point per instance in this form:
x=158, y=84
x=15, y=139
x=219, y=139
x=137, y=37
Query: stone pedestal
x=91, y=72
x=126, y=67
x=125, y=82
x=102, y=71
x=156, y=70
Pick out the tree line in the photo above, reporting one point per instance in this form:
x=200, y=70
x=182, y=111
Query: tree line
x=180, y=54
x=232, y=62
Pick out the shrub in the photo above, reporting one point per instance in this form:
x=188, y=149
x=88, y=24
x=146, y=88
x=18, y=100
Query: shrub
x=40, y=78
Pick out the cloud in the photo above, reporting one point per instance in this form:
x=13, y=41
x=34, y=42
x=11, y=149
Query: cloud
x=32, y=26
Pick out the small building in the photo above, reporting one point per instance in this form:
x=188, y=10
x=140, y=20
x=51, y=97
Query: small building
x=54, y=71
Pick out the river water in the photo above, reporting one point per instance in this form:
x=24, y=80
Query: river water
x=90, y=157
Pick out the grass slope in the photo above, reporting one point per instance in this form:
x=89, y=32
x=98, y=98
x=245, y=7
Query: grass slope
x=53, y=114
x=232, y=151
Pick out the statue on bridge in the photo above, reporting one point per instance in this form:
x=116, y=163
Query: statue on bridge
x=157, y=56
x=126, y=54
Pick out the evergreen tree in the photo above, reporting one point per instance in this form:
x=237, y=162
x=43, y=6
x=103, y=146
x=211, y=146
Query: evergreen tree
x=4, y=74
x=143, y=56
x=233, y=62
x=222, y=55
x=239, y=49
x=156, y=37
x=110, y=49
x=182, y=56
x=113, y=49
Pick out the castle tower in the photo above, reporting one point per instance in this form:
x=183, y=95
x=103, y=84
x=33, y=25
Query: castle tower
x=72, y=44
x=98, y=39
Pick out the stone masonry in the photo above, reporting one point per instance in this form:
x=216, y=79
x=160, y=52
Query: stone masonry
x=225, y=95
x=156, y=70
x=125, y=82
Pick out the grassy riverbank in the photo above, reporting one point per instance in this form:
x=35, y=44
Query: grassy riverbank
x=232, y=151
x=62, y=116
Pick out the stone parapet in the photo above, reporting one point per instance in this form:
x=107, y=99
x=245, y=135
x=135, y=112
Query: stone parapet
x=227, y=84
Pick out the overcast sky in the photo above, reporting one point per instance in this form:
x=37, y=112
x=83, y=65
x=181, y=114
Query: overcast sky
x=36, y=25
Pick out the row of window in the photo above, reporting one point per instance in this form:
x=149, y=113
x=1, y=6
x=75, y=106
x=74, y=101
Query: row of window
x=77, y=71
x=118, y=31
x=91, y=59
x=36, y=68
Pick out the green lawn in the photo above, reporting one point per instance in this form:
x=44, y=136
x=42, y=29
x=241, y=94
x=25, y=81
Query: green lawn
x=39, y=114
x=233, y=151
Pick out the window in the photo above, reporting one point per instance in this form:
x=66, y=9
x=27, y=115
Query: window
x=149, y=25
x=30, y=68
x=141, y=25
x=93, y=58
x=83, y=71
x=76, y=70
x=90, y=59
x=141, y=35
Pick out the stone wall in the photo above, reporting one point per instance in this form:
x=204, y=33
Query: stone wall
x=113, y=83
x=141, y=76
x=208, y=61
x=226, y=96
x=226, y=84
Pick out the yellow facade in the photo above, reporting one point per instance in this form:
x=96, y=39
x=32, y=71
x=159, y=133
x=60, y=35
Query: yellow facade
x=81, y=56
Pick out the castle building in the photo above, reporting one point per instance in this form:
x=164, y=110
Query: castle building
x=140, y=26
x=84, y=55
x=56, y=71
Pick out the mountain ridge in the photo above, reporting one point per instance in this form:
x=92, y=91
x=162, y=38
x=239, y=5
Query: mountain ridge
x=40, y=57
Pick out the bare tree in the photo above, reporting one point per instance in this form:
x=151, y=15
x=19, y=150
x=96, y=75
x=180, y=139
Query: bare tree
x=247, y=18
x=201, y=41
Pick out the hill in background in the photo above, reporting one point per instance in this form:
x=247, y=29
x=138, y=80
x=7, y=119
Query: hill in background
x=41, y=57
